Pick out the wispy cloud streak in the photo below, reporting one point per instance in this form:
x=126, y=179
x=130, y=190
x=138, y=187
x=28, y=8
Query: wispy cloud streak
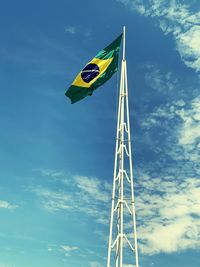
x=6, y=205
x=80, y=193
x=175, y=18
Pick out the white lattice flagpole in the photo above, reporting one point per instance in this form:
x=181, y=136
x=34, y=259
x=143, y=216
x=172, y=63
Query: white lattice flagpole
x=122, y=207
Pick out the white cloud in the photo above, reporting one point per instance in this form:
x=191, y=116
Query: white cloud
x=93, y=187
x=84, y=194
x=51, y=200
x=52, y=173
x=190, y=130
x=68, y=249
x=64, y=249
x=168, y=207
x=6, y=205
x=188, y=45
x=158, y=81
x=164, y=114
x=86, y=32
x=168, y=217
x=176, y=18
x=70, y=29
x=181, y=121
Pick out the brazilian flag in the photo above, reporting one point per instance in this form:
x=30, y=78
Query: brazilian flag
x=96, y=72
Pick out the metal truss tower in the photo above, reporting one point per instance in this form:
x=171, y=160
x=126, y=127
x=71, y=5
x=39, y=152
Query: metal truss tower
x=123, y=236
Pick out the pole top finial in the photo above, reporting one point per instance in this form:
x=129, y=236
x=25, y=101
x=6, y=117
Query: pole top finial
x=124, y=36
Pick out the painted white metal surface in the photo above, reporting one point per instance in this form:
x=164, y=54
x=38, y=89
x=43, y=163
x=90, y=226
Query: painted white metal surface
x=122, y=237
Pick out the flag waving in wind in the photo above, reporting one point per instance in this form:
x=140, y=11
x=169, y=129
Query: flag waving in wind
x=96, y=72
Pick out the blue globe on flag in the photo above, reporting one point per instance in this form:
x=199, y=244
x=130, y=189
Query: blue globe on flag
x=90, y=72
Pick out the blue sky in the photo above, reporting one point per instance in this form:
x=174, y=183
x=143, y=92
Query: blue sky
x=56, y=159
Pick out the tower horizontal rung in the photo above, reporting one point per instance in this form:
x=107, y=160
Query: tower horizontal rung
x=124, y=140
x=127, y=240
x=126, y=204
x=123, y=94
